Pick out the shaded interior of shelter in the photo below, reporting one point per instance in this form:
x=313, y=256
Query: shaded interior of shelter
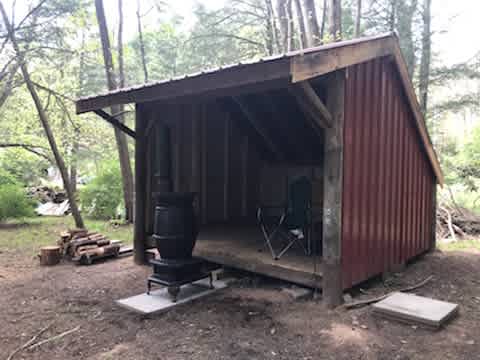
x=238, y=153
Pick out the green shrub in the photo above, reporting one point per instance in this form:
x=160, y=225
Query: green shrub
x=103, y=196
x=14, y=202
x=6, y=178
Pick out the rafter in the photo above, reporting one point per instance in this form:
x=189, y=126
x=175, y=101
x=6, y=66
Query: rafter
x=252, y=118
x=311, y=105
x=116, y=123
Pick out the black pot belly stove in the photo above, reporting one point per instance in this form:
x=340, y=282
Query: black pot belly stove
x=175, y=234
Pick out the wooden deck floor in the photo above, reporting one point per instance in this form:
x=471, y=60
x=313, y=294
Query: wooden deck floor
x=238, y=247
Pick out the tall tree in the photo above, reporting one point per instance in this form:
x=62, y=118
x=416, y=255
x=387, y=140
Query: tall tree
x=313, y=32
x=122, y=145
x=358, y=18
x=143, y=55
x=282, y=20
x=405, y=12
x=335, y=19
x=424, y=76
x=43, y=119
x=301, y=25
x=290, y=28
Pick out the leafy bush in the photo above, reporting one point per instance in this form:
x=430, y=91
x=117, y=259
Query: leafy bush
x=14, y=202
x=103, y=196
x=6, y=178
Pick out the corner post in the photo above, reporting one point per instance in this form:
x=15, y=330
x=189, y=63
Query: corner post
x=433, y=240
x=139, y=236
x=332, y=286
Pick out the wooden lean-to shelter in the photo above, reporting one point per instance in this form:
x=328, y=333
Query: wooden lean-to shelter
x=344, y=114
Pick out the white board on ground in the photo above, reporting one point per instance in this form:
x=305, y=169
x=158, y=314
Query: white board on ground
x=159, y=300
x=418, y=309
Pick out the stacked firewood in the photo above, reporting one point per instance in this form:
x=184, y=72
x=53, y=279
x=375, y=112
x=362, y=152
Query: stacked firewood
x=455, y=222
x=85, y=247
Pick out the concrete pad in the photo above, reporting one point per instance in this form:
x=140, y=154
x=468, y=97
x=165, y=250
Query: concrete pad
x=159, y=300
x=416, y=309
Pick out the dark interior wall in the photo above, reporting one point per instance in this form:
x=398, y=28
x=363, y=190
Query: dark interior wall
x=388, y=180
x=210, y=155
x=216, y=152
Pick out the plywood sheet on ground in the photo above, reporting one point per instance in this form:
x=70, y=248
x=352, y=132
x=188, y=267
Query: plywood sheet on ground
x=416, y=309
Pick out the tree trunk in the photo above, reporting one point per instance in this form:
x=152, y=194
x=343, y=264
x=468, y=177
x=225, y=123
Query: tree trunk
x=324, y=19
x=274, y=28
x=392, y=18
x=290, y=29
x=426, y=56
x=404, y=23
x=44, y=120
x=269, y=33
x=141, y=43
x=282, y=18
x=335, y=19
x=313, y=33
x=358, y=18
x=122, y=145
x=301, y=25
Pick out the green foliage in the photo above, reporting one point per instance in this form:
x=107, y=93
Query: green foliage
x=102, y=196
x=6, y=178
x=14, y=203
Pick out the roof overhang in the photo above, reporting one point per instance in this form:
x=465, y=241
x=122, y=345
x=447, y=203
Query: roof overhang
x=272, y=72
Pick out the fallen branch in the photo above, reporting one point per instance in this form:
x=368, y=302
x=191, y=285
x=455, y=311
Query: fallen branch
x=53, y=338
x=379, y=298
x=29, y=342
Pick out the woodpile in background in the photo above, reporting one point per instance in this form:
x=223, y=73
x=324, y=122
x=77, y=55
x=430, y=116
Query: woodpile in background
x=84, y=247
x=455, y=222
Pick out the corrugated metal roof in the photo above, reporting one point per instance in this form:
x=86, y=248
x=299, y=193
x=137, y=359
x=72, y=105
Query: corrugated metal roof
x=237, y=65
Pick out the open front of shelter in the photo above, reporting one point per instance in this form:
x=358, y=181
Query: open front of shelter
x=342, y=118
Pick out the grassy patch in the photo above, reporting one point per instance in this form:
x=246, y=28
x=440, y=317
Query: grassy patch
x=462, y=245
x=29, y=234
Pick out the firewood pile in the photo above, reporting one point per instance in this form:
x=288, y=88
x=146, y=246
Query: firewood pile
x=84, y=247
x=455, y=222
x=45, y=194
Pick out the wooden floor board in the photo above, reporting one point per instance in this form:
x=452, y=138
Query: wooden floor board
x=243, y=247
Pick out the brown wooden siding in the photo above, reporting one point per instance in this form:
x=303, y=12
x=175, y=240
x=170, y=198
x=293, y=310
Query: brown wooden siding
x=387, y=178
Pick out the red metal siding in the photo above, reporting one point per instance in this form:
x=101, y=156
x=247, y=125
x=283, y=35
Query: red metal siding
x=387, y=177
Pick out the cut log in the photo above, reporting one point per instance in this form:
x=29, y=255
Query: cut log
x=50, y=255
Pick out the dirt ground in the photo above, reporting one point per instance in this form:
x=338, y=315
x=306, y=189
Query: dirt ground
x=249, y=320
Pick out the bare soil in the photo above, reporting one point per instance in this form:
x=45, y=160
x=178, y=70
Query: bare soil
x=249, y=320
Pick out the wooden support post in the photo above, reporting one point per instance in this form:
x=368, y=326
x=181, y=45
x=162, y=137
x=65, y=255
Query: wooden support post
x=332, y=199
x=433, y=240
x=140, y=236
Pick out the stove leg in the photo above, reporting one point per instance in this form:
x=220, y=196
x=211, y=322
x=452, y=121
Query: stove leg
x=211, y=281
x=173, y=291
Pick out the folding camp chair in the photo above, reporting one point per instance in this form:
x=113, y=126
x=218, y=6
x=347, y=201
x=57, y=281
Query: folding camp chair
x=290, y=223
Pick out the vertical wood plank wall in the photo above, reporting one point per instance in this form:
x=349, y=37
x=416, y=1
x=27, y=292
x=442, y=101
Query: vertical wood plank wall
x=212, y=157
x=388, y=181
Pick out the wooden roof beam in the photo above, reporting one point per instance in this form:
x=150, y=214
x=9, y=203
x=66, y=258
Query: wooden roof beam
x=311, y=105
x=116, y=123
x=252, y=118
